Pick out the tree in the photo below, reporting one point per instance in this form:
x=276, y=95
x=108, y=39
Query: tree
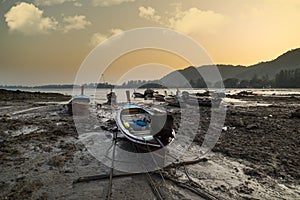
x=297, y=78
x=231, y=83
x=244, y=84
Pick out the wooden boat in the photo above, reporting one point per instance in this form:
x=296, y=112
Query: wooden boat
x=138, y=95
x=159, y=97
x=79, y=105
x=148, y=94
x=194, y=101
x=174, y=101
x=144, y=127
x=81, y=99
x=203, y=94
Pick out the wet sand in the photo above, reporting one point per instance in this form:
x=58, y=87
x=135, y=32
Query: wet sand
x=256, y=157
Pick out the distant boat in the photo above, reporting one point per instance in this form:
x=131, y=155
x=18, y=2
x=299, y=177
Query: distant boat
x=174, y=101
x=245, y=93
x=159, y=97
x=203, y=94
x=79, y=104
x=143, y=127
x=148, y=93
x=138, y=95
x=81, y=99
x=196, y=100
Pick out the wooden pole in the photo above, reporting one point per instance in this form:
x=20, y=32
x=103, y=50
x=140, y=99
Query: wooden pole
x=82, y=90
x=128, y=96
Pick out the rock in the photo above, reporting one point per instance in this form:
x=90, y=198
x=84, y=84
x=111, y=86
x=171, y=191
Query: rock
x=242, y=123
x=67, y=170
x=236, y=169
x=296, y=114
x=252, y=172
x=244, y=188
x=56, y=161
x=238, y=123
x=20, y=177
x=7, y=115
x=221, y=188
x=251, y=126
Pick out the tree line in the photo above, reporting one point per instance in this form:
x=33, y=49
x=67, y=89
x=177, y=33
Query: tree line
x=283, y=79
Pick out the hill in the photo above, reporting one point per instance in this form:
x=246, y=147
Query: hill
x=287, y=61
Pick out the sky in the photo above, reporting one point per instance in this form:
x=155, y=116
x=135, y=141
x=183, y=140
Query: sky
x=46, y=41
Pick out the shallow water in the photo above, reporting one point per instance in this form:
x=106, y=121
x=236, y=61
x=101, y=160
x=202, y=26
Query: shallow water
x=26, y=110
x=25, y=130
x=243, y=103
x=99, y=95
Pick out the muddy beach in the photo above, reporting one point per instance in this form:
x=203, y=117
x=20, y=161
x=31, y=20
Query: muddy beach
x=256, y=157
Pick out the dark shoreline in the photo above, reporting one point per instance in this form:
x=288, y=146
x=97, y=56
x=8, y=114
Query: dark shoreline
x=8, y=95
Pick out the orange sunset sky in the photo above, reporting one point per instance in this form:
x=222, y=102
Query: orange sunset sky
x=45, y=41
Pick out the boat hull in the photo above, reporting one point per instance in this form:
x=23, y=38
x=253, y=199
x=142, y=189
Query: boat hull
x=126, y=119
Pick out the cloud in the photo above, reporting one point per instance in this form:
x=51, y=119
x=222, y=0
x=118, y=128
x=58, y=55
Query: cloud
x=56, y=2
x=103, y=3
x=148, y=13
x=77, y=4
x=195, y=20
x=76, y=22
x=191, y=21
x=29, y=20
x=115, y=31
x=50, y=2
x=97, y=38
x=106, y=3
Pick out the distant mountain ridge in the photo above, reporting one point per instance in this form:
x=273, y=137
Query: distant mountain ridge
x=281, y=72
x=287, y=61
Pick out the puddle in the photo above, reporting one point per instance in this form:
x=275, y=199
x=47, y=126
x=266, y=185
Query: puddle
x=26, y=110
x=6, y=107
x=53, y=102
x=242, y=103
